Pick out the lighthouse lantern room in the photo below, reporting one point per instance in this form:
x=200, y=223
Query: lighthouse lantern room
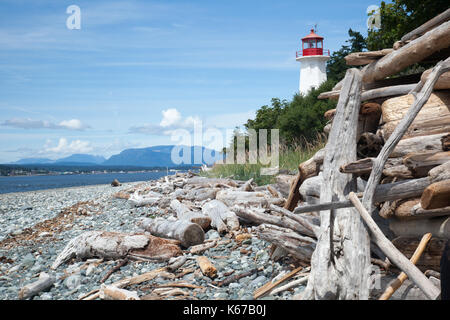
x=313, y=62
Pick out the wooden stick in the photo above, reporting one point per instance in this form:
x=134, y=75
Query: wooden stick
x=402, y=277
x=394, y=255
x=290, y=285
x=207, y=267
x=236, y=277
x=269, y=286
x=114, y=269
x=113, y=293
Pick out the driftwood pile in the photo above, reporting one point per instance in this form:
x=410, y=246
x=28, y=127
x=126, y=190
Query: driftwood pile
x=185, y=207
x=388, y=157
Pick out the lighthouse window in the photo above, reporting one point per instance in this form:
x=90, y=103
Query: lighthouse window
x=312, y=44
x=319, y=44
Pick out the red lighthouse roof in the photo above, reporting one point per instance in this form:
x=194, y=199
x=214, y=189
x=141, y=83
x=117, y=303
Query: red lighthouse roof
x=312, y=35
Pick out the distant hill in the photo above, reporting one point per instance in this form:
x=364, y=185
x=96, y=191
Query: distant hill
x=157, y=156
x=81, y=158
x=33, y=161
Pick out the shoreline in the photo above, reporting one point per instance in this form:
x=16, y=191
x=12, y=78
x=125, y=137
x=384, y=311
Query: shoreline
x=36, y=186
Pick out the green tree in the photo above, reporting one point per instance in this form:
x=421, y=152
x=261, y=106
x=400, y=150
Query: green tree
x=400, y=17
x=336, y=66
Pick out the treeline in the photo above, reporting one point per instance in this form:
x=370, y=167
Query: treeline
x=8, y=170
x=301, y=119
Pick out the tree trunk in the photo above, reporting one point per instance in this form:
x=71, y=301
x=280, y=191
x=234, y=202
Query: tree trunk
x=341, y=264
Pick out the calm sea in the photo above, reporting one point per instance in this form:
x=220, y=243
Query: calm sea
x=31, y=183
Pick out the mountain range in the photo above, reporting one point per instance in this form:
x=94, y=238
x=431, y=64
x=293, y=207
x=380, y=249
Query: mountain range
x=156, y=156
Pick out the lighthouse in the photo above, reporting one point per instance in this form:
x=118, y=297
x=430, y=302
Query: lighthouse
x=312, y=62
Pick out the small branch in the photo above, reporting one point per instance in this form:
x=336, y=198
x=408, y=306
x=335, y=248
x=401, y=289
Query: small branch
x=114, y=269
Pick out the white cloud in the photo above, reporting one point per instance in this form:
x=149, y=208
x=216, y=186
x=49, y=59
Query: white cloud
x=66, y=148
x=22, y=123
x=73, y=124
x=173, y=121
x=170, y=117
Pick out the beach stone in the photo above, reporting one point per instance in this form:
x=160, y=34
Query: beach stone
x=46, y=296
x=259, y=281
x=212, y=234
x=72, y=281
x=28, y=261
x=234, y=285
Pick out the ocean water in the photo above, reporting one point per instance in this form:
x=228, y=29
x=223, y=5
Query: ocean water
x=32, y=183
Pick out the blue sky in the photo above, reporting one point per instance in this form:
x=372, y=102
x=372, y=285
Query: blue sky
x=138, y=69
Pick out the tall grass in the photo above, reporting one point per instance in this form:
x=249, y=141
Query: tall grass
x=290, y=157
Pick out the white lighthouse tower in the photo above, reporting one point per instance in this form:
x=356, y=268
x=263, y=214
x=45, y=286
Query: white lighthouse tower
x=312, y=62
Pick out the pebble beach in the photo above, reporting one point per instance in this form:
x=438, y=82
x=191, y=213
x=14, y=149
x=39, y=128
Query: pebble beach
x=37, y=225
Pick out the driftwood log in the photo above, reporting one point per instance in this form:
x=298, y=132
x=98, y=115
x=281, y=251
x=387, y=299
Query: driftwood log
x=187, y=232
x=222, y=218
x=300, y=247
x=415, y=51
x=185, y=213
x=427, y=26
x=362, y=58
x=436, y=195
x=261, y=199
x=422, y=162
x=115, y=245
x=44, y=282
x=340, y=264
x=259, y=217
x=439, y=227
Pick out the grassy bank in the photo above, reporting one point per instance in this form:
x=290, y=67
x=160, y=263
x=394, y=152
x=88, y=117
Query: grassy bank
x=289, y=159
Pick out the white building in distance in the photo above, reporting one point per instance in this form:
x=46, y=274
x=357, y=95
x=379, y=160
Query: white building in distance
x=312, y=62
